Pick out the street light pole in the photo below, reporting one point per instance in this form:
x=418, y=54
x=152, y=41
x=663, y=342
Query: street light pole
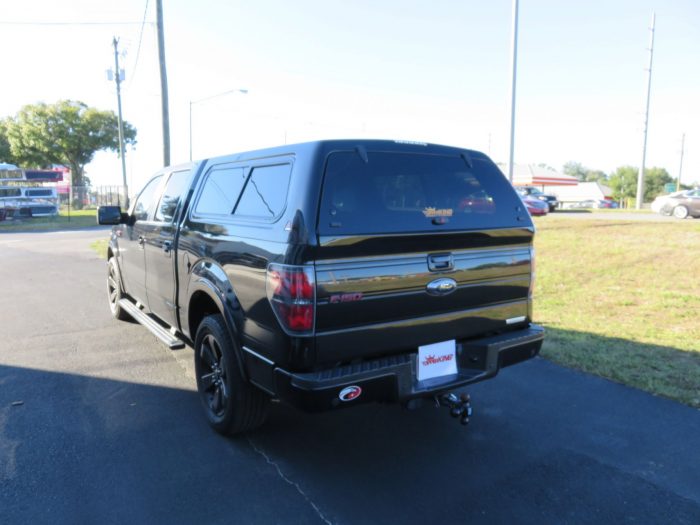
x=640, y=176
x=514, y=67
x=163, y=84
x=192, y=102
x=190, y=131
x=680, y=167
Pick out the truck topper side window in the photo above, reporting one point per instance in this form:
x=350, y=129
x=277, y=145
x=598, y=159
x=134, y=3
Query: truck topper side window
x=265, y=195
x=220, y=192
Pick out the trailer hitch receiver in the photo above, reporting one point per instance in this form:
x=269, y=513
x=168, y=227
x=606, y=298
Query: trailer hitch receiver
x=460, y=407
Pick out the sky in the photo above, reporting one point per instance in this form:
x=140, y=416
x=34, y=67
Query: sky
x=411, y=70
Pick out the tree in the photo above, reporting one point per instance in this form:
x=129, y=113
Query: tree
x=596, y=176
x=624, y=182
x=5, y=153
x=654, y=181
x=583, y=174
x=575, y=169
x=67, y=133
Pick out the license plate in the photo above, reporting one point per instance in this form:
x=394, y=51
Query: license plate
x=435, y=360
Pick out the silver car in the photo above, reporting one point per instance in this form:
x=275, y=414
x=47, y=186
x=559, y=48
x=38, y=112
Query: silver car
x=681, y=204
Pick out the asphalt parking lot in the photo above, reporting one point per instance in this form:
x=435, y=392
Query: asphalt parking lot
x=100, y=423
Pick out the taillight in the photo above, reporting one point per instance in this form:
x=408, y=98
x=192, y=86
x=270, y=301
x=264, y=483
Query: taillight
x=291, y=291
x=532, y=271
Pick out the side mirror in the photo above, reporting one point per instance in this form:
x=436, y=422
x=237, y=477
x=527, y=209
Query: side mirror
x=109, y=215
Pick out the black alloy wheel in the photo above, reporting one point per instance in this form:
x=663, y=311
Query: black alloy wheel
x=212, y=377
x=231, y=403
x=114, y=291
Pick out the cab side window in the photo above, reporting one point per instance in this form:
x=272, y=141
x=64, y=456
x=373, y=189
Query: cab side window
x=165, y=212
x=145, y=199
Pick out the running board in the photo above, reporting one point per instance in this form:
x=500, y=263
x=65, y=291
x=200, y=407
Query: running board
x=156, y=329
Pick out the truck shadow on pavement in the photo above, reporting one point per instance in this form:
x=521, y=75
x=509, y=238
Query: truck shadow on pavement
x=546, y=444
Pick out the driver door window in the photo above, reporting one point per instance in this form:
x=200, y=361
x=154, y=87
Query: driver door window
x=145, y=199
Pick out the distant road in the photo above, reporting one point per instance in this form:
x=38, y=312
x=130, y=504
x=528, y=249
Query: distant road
x=621, y=216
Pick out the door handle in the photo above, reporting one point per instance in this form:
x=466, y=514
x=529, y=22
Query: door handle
x=440, y=262
x=167, y=246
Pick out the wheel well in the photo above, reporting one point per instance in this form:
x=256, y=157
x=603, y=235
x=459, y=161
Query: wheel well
x=110, y=254
x=201, y=305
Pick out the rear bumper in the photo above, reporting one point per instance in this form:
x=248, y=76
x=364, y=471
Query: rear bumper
x=393, y=379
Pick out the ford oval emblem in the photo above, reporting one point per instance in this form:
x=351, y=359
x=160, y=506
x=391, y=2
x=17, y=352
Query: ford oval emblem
x=443, y=286
x=349, y=393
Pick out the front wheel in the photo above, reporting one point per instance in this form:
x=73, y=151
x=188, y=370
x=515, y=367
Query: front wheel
x=231, y=403
x=680, y=212
x=114, y=291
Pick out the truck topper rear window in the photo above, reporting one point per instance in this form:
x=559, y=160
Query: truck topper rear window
x=393, y=192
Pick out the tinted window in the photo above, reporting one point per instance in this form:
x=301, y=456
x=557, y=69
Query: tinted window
x=10, y=192
x=176, y=185
x=143, y=203
x=403, y=192
x=39, y=193
x=266, y=192
x=220, y=192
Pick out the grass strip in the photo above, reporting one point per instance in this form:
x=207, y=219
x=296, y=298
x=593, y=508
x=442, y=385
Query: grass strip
x=621, y=299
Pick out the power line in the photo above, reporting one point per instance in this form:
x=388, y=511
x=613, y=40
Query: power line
x=138, y=49
x=25, y=23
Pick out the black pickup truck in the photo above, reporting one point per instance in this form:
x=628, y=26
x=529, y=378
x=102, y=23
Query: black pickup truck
x=330, y=274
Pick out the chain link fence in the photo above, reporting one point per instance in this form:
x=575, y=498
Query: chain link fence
x=27, y=201
x=86, y=197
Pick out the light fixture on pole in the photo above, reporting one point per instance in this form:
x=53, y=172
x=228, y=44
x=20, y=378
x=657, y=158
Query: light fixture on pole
x=192, y=102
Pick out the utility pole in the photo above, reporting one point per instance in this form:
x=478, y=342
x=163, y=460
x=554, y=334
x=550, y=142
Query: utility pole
x=117, y=79
x=514, y=64
x=640, y=177
x=163, y=83
x=680, y=168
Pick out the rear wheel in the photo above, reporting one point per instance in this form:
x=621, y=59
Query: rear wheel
x=680, y=212
x=232, y=404
x=114, y=291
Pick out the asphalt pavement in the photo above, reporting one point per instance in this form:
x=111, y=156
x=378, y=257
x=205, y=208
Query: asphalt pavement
x=100, y=423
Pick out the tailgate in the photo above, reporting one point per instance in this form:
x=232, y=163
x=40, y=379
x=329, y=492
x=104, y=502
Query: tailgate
x=417, y=245
x=387, y=302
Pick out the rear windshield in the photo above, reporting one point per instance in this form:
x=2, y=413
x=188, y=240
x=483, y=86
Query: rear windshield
x=408, y=192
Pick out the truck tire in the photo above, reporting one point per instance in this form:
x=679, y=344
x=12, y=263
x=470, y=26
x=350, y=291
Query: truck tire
x=114, y=291
x=231, y=403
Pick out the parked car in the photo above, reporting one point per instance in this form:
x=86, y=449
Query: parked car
x=680, y=204
x=330, y=274
x=536, y=207
x=593, y=203
x=531, y=191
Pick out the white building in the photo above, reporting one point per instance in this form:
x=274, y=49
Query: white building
x=583, y=191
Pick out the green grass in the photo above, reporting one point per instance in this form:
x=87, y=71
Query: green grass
x=621, y=299
x=62, y=221
x=100, y=247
